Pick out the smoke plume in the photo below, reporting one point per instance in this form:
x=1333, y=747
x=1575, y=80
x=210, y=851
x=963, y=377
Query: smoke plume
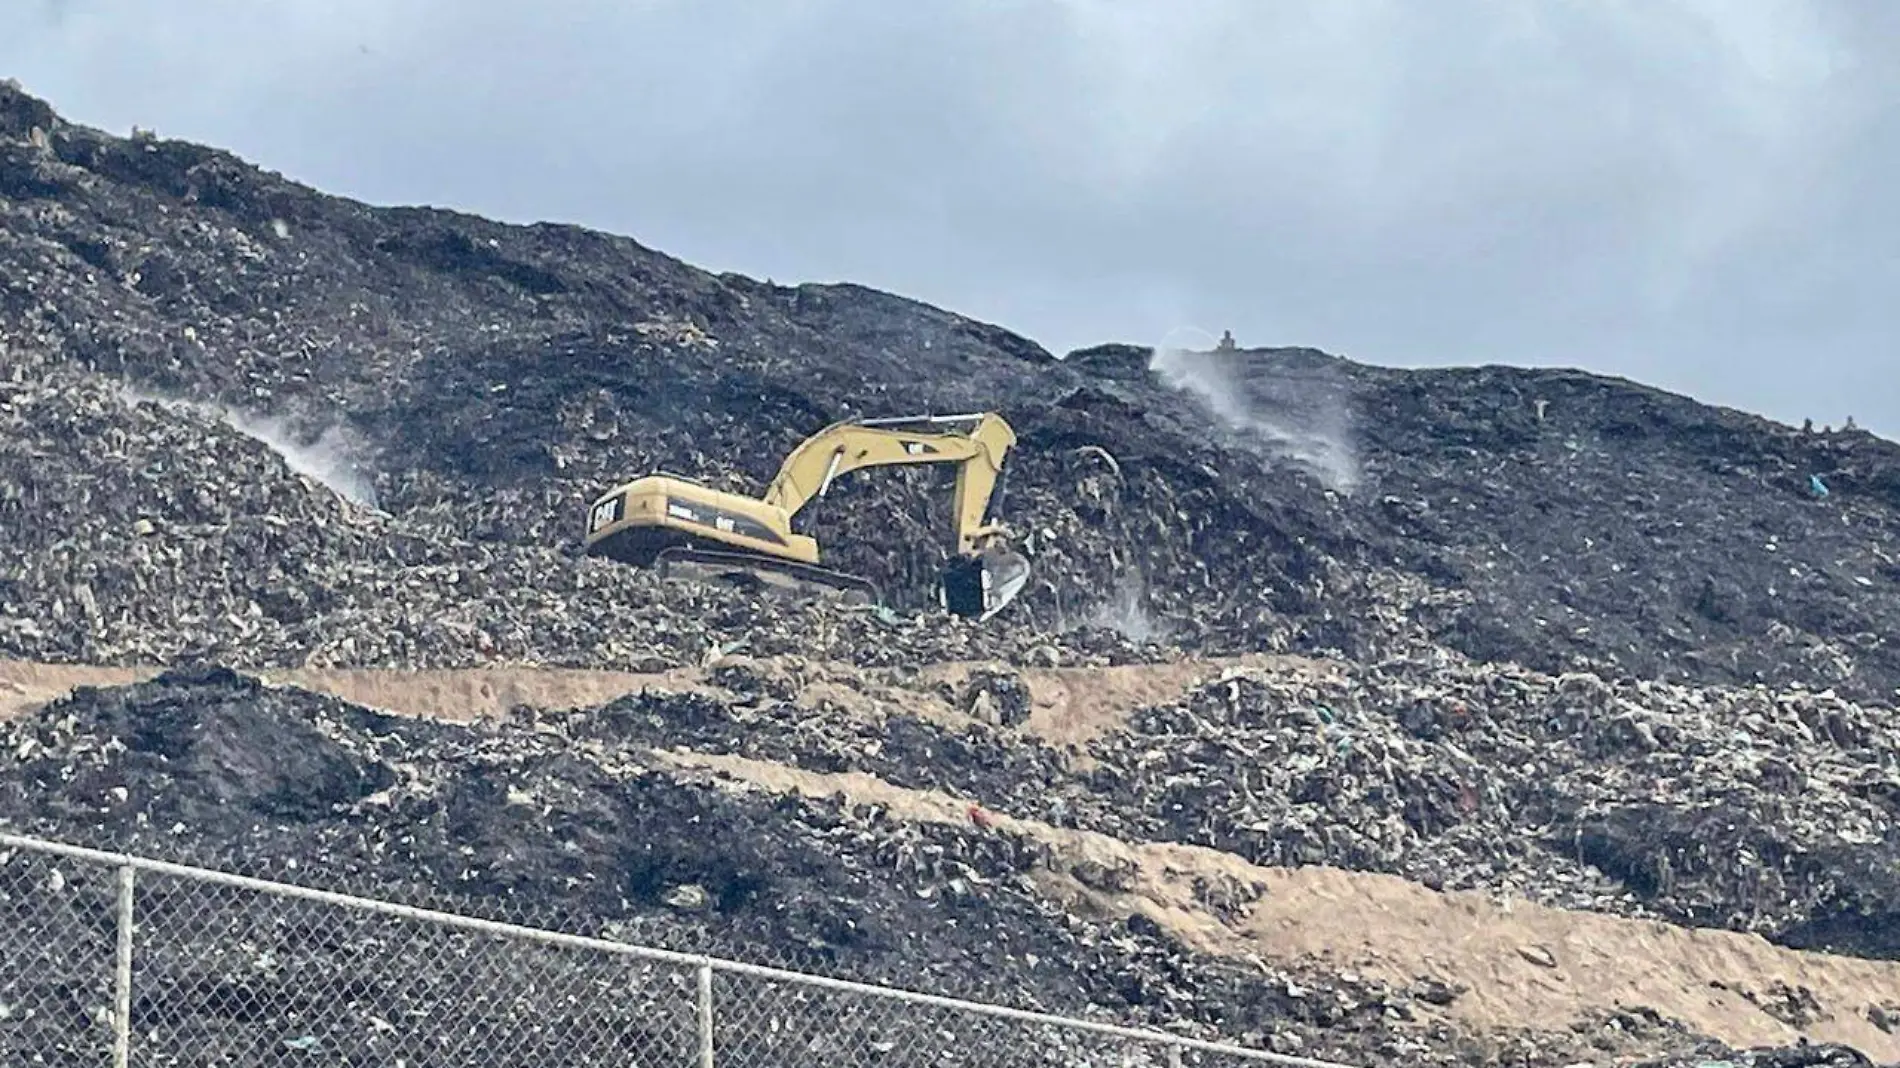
x=332, y=458
x=1284, y=404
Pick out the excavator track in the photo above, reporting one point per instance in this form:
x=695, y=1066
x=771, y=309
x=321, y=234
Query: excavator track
x=786, y=574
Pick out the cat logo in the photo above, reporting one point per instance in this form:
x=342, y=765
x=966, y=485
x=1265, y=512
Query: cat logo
x=604, y=513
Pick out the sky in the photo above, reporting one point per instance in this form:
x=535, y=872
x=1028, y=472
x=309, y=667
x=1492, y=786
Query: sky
x=1690, y=193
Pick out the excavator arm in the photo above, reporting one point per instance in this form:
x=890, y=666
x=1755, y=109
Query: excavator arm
x=841, y=448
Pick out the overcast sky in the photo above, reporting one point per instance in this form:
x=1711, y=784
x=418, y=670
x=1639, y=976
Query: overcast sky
x=1694, y=193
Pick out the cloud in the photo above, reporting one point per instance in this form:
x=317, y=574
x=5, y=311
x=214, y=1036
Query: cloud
x=1687, y=192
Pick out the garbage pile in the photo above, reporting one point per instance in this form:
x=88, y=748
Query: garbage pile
x=1777, y=814
x=521, y=823
x=144, y=531
x=490, y=379
x=1604, y=646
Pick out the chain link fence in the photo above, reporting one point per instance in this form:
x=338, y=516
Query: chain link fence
x=107, y=959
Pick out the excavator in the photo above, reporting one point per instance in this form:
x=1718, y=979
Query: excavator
x=666, y=520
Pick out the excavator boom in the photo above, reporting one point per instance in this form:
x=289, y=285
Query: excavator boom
x=662, y=518
x=841, y=448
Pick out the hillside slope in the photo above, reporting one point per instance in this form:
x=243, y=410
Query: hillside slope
x=1552, y=635
x=491, y=378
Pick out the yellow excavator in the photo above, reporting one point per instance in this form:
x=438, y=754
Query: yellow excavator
x=667, y=520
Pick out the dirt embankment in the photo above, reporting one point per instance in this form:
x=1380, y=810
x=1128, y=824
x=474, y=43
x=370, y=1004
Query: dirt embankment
x=1067, y=705
x=1519, y=965
x=1503, y=964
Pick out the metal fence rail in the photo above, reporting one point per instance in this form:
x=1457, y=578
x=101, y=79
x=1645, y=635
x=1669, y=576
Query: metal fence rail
x=113, y=959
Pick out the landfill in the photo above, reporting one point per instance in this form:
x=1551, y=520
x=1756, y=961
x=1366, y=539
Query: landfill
x=585, y=831
x=1770, y=814
x=1595, y=645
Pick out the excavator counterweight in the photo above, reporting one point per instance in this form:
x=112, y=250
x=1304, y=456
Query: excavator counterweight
x=662, y=520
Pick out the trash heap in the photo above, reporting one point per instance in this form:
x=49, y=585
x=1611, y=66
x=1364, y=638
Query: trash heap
x=1602, y=645
x=527, y=824
x=1772, y=813
x=140, y=531
x=482, y=382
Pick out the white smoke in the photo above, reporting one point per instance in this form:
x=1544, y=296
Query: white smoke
x=330, y=459
x=1297, y=415
x=334, y=458
x=1126, y=613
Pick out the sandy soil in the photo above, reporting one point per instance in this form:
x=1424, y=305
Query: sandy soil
x=1068, y=705
x=26, y=686
x=1521, y=965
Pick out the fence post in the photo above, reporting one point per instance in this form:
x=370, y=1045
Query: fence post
x=122, y=975
x=705, y=1015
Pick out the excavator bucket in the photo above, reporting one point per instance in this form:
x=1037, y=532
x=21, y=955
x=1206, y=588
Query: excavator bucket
x=979, y=586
